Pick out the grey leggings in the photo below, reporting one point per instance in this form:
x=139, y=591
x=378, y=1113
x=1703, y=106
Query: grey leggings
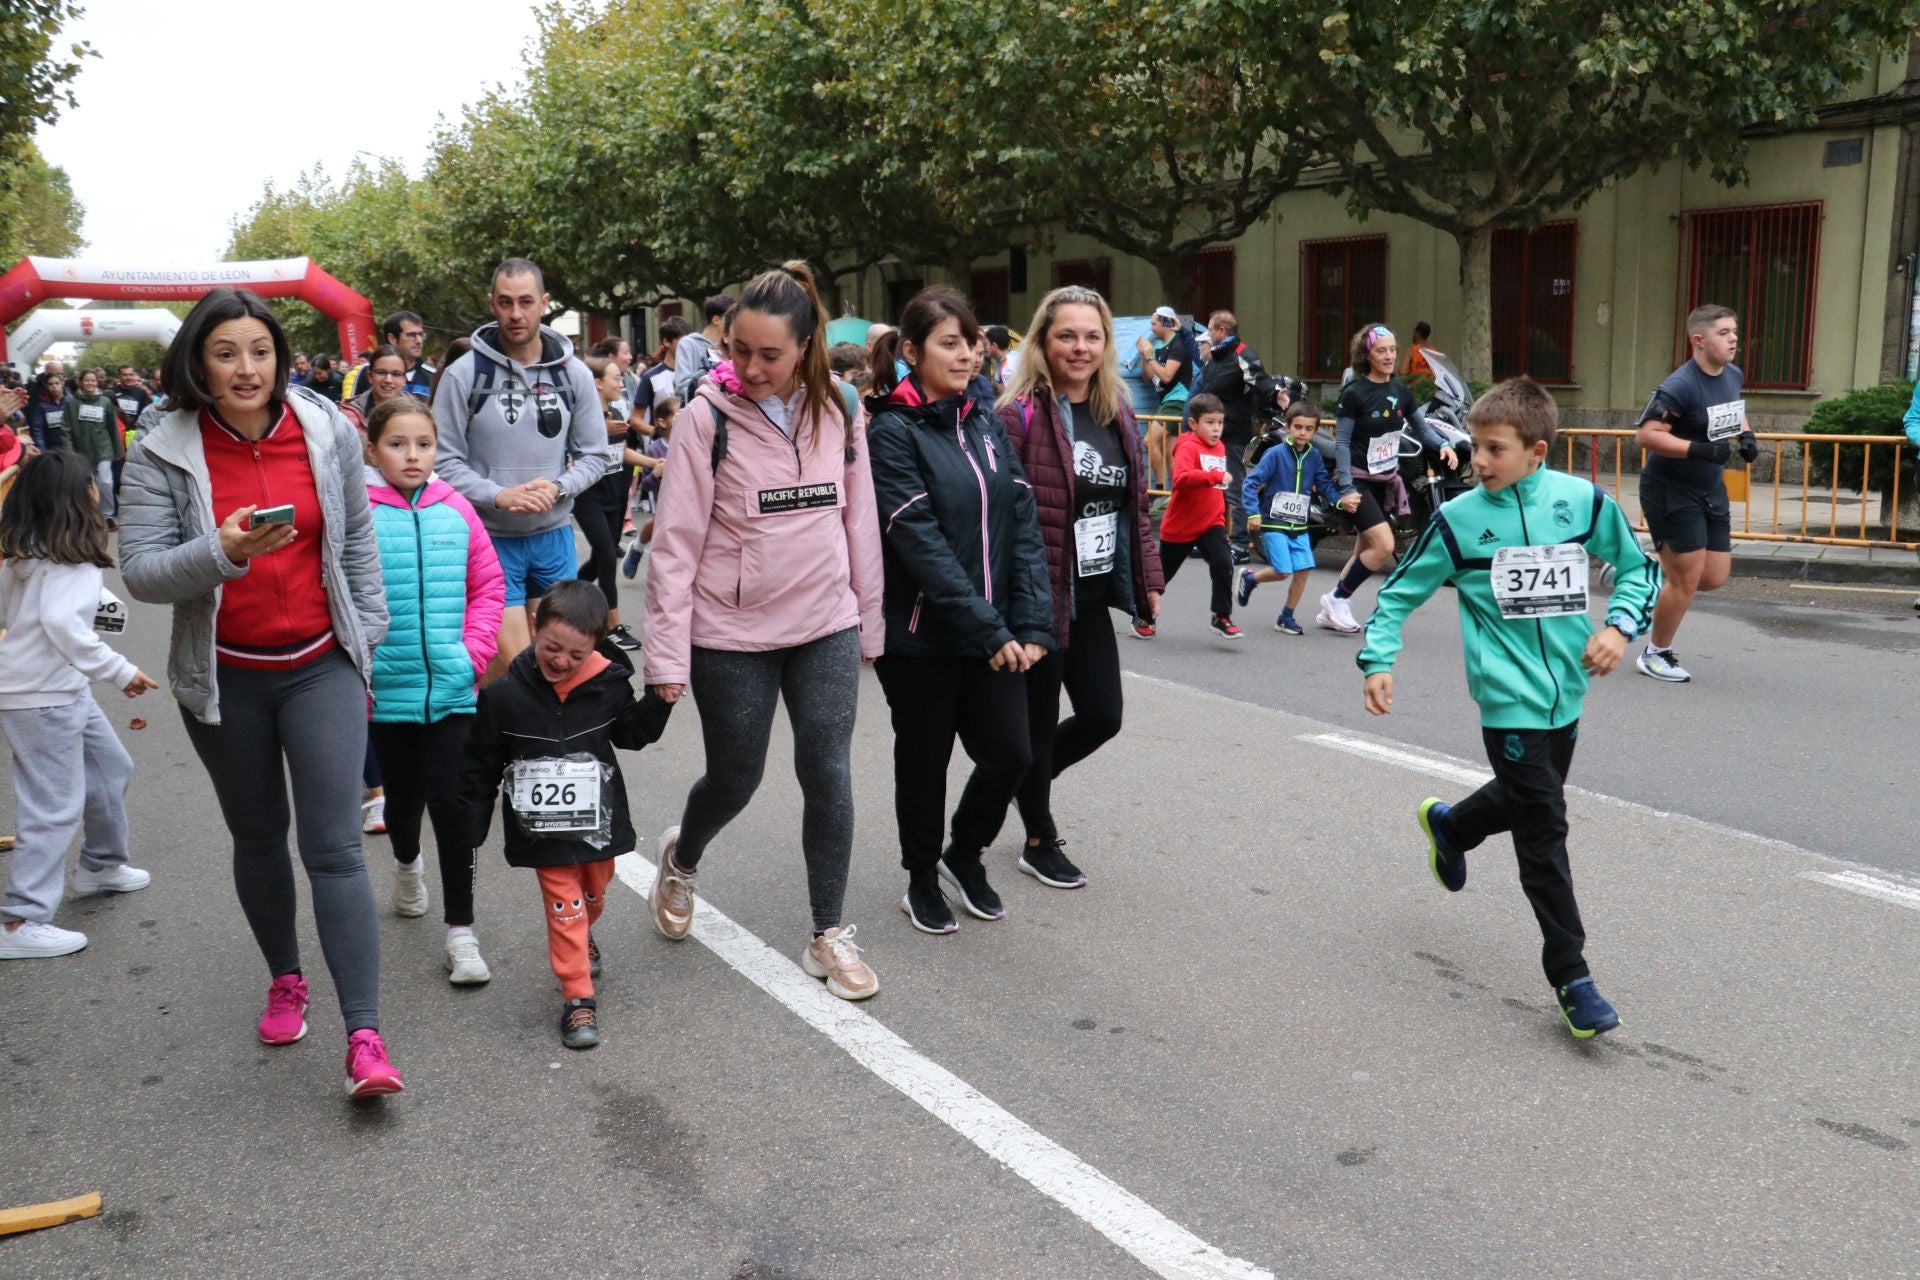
x=310, y=723
x=736, y=693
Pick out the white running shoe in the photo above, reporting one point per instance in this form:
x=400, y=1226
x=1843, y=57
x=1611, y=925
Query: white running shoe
x=465, y=968
x=115, y=878
x=409, y=892
x=373, y=819
x=1336, y=615
x=32, y=940
x=1662, y=666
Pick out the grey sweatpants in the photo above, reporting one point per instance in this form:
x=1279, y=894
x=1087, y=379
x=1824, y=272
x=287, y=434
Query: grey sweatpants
x=309, y=724
x=736, y=693
x=70, y=773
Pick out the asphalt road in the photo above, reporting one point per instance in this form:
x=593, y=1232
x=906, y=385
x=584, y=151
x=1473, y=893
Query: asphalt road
x=1263, y=1025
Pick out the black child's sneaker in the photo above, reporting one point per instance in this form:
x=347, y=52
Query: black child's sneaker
x=1448, y=864
x=1046, y=863
x=579, y=1028
x=926, y=906
x=593, y=955
x=964, y=872
x=624, y=638
x=1586, y=1011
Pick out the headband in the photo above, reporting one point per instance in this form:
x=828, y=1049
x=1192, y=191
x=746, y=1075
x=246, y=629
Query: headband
x=1377, y=334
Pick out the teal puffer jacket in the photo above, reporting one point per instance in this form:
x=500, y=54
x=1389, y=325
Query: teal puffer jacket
x=445, y=592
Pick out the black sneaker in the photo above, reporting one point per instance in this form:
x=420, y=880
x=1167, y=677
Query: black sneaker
x=965, y=874
x=1046, y=863
x=578, y=1027
x=1586, y=1011
x=624, y=638
x=926, y=906
x=593, y=955
x=1448, y=864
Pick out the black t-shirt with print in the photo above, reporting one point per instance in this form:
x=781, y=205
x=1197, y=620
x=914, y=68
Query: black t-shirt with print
x=1697, y=405
x=1101, y=483
x=1377, y=409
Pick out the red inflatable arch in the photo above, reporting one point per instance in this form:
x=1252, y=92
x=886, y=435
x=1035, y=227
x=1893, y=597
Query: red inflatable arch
x=35, y=280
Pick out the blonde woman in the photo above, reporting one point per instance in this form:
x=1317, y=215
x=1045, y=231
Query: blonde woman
x=1068, y=415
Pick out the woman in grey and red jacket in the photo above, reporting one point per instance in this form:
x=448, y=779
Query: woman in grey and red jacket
x=1067, y=412
x=967, y=601
x=766, y=586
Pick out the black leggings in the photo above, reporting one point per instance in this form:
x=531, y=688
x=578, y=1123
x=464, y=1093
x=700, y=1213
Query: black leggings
x=601, y=512
x=1089, y=668
x=933, y=700
x=421, y=763
x=1210, y=546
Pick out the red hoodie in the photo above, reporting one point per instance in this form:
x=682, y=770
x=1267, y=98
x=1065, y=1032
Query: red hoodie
x=274, y=616
x=1199, y=500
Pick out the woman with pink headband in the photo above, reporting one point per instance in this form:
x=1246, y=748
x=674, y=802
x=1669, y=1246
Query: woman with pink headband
x=1366, y=448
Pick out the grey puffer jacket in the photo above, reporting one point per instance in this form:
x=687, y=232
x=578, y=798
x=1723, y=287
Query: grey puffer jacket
x=170, y=542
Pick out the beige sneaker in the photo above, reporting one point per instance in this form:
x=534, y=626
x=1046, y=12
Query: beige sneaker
x=672, y=894
x=833, y=956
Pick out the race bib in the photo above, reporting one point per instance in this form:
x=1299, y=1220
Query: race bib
x=556, y=797
x=93, y=413
x=798, y=497
x=1289, y=508
x=1094, y=538
x=1540, y=582
x=1210, y=463
x=1383, y=453
x=110, y=618
x=128, y=405
x=1723, y=420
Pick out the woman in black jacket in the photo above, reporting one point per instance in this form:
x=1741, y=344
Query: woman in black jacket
x=968, y=605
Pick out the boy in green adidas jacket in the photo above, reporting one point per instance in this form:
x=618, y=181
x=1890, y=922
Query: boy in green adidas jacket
x=1517, y=549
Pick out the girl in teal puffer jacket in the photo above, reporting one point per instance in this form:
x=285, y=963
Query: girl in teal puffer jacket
x=445, y=592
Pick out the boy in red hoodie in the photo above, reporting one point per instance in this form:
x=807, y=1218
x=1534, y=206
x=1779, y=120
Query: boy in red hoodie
x=1195, y=522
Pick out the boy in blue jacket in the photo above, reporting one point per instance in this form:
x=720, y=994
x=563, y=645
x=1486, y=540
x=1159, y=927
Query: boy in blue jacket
x=1517, y=549
x=1279, y=486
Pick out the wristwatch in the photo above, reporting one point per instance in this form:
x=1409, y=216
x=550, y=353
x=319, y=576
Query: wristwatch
x=1624, y=626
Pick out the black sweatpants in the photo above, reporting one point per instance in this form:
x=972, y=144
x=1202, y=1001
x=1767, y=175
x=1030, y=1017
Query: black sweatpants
x=601, y=511
x=1527, y=797
x=1210, y=546
x=933, y=701
x=1089, y=669
x=421, y=764
x=1236, y=480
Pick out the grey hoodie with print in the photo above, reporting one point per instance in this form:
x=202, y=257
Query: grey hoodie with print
x=503, y=430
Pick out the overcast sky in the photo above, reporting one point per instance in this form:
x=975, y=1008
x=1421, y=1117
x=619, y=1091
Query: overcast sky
x=193, y=106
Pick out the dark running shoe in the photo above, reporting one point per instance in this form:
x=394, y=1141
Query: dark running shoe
x=1247, y=584
x=1224, y=627
x=579, y=1028
x=1448, y=863
x=926, y=906
x=1046, y=863
x=624, y=638
x=593, y=955
x=966, y=875
x=1286, y=625
x=1586, y=1011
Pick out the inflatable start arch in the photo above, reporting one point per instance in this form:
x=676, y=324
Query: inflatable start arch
x=58, y=324
x=35, y=280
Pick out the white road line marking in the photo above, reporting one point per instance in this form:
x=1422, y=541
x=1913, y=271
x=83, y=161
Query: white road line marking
x=1867, y=886
x=1164, y=1246
x=1438, y=767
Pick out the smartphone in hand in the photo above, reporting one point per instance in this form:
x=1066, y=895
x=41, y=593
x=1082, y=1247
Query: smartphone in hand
x=271, y=515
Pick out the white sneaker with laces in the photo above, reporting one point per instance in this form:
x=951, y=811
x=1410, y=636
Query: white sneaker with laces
x=32, y=940
x=1662, y=666
x=409, y=893
x=116, y=877
x=465, y=968
x=1336, y=615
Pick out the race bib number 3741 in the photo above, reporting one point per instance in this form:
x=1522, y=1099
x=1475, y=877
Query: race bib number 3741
x=1540, y=582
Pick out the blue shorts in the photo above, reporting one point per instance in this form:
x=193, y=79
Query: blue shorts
x=1287, y=552
x=537, y=561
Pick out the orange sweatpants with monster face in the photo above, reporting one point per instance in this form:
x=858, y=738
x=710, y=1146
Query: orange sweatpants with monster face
x=573, y=897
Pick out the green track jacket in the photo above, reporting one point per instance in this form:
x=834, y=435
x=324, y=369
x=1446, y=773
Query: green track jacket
x=1524, y=672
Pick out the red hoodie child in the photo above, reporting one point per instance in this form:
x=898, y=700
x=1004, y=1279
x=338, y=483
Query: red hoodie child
x=1195, y=522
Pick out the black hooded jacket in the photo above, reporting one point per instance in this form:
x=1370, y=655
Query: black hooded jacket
x=966, y=571
x=521, y=718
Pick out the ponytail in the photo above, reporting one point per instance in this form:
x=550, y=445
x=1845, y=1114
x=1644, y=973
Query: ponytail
x=789, y=292
x=883, y=369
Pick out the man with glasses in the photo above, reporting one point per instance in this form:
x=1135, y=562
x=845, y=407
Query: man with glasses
x=407, y=333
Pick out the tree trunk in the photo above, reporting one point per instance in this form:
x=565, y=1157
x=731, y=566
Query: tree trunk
x=1475, y=348
x=1173, y=282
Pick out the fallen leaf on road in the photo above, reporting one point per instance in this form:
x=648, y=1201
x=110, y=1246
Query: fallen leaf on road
x=136, y=723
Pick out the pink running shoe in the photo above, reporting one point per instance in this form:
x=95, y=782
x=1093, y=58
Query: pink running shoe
x=369, y=1074
x=285, y=1020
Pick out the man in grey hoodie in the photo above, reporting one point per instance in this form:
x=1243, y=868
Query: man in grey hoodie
x=520, y=437
x=698, y=353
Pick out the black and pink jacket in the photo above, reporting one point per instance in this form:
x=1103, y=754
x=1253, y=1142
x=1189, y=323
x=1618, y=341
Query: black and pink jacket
x=965, y=568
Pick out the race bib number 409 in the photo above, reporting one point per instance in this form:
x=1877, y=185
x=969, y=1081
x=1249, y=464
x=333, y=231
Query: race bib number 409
x=1289, y=508
x=1540, y=582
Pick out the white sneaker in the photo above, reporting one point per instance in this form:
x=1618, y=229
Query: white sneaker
x=1662, y=666
x=1336, y=615
x=374, y=816
x=33, y=940
x=410, y=893
x=115, y=878
x=465, y=968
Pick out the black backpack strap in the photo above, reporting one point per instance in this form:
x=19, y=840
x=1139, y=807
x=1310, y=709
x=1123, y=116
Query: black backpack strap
x=484, y=371
x=719, y=438
x=850, y=397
